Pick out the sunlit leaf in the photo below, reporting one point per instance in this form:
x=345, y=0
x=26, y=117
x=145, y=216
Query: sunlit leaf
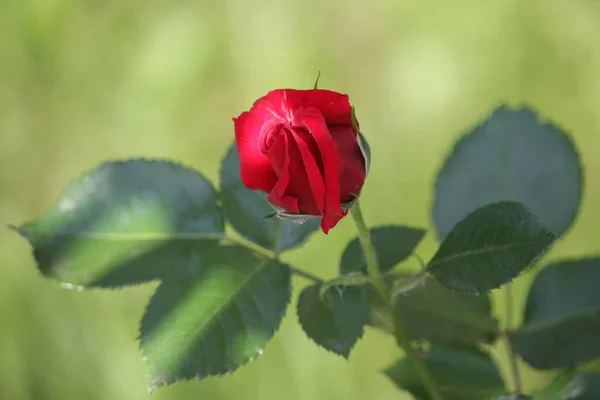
x=122, y=223
x=135, y=221
x=215, y=315
x=512, y=156
x=561, y=325
x=491, y=246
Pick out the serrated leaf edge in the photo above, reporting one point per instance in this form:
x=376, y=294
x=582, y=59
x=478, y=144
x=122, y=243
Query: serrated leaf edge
x=153, y=385
x=508, y=108
x=344, y=355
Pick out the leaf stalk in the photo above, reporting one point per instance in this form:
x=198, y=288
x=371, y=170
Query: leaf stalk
x=399, y=332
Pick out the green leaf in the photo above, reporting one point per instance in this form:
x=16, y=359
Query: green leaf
x=245, y=209
x=336, y=323
x=512, y=156
x=134, y=221
x=122, y=223
x=393, y=245
x=513, y=396
x=215, y=315
x=435, y=313
x=461, y=373
x=592, y=387
x=569, y=385
x=561, y=325
x=591, y=384
x=491, y=246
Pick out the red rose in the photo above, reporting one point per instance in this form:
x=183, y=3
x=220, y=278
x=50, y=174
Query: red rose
x=301, y=148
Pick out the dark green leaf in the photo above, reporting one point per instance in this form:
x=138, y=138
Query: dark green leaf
x=214, y=315
x=513, y=396
x=491, y=246
x=569, y=385
x=561, y=326
x=337, y=322
x=516, y=157
x=591, y=384
x=435, y=313
x=116, y=225
x=393, y=245
x=245, y=209
x=461, y=373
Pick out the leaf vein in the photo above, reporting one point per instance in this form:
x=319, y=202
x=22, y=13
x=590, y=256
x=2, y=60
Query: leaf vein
x=552, y=323
x=484, y=250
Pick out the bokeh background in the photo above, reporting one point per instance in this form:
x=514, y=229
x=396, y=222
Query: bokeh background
x=86, y=81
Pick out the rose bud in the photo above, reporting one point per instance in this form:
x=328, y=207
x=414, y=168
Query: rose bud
x=303, y=148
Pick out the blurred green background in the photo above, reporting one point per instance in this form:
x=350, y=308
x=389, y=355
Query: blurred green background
x=85, y=81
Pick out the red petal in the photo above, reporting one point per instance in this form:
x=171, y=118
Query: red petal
x=335, y=107
x=353, y=172
x=302, y=171
x=279, y=152
x=255, y=167
x=294, y=181
x=314, y=122
x=312, y=171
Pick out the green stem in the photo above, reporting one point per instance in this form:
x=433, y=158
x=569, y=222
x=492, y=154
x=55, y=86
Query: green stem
x=382, y=320
x=408, y=285
x=374, y=272
x=514, y=365
x=369, y=252
x=276, y=250
x=306, y=275
x=404, y=343
x=272, y=256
